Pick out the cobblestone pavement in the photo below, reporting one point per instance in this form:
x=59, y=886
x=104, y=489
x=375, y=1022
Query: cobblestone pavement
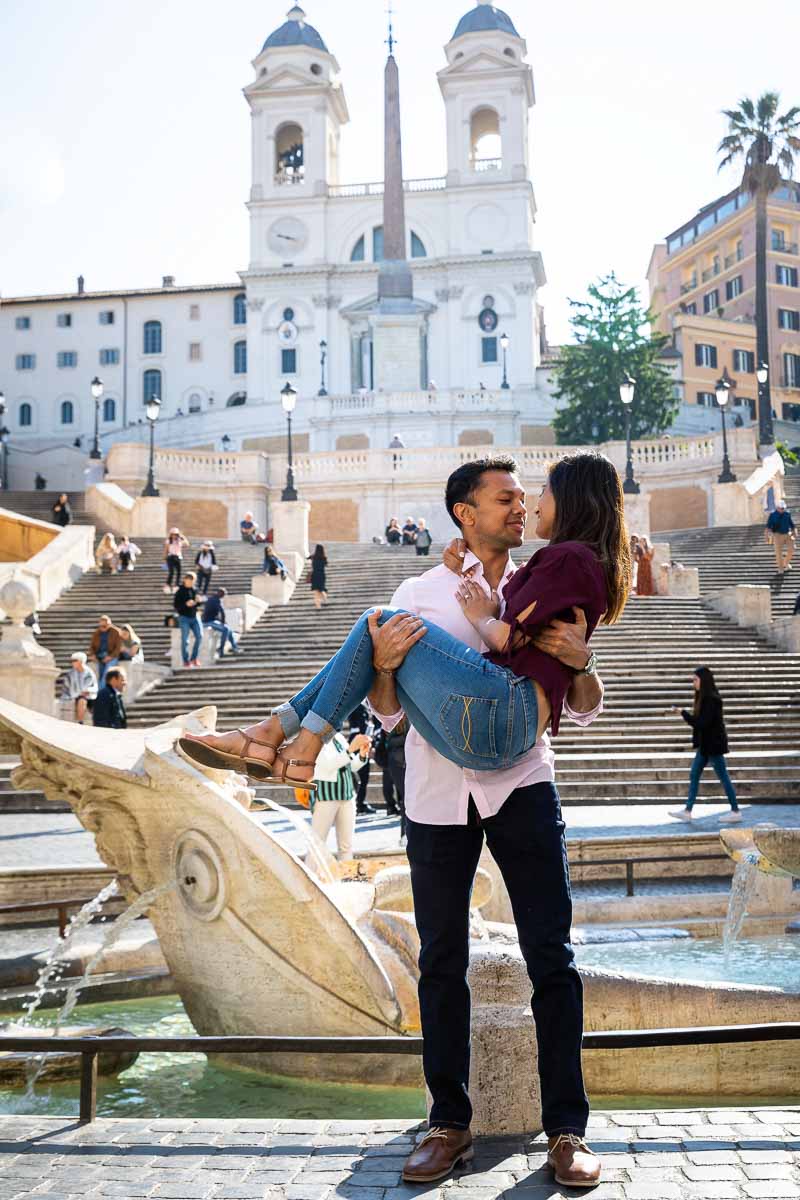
x=654, y=1155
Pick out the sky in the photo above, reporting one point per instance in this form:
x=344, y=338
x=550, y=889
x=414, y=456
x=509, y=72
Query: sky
x=125, y=137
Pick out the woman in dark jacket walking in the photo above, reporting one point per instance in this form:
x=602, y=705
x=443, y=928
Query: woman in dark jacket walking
x=710, y=740
x=62, y=513
x=319, y=565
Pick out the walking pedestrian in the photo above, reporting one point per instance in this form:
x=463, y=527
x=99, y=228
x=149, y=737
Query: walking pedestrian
x=396, y=766
x=333, y=804
x=173, y=557
x=186, y=603
x=206, y=562
x=319, y=585
x=214, y=618
x=782, y=533
x=108, y=711
x=644, y=563
x=105, y=646
x=62, y=513
x=710, y=740
x=79, y=684
x=424, y=539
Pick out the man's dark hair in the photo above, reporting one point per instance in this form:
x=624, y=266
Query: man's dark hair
x=114, y=673
x=466, y=479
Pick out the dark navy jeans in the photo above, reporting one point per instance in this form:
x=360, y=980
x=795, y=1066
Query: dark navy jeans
x=526, y=839
x=699, y=765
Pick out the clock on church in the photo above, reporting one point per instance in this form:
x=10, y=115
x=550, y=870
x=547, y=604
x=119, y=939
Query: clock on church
x=287, y=237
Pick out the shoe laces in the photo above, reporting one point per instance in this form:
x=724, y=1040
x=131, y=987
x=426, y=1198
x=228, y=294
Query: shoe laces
x=436, y=1132
x=571, y=1139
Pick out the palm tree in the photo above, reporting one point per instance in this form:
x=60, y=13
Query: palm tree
x=768, y=144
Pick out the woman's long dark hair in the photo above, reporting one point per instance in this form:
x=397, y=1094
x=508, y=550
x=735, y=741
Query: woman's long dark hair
x=590, y=508
x=708, y=687
x=319, y=554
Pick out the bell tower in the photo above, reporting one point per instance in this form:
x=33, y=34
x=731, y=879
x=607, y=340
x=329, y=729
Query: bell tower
x=488, y=91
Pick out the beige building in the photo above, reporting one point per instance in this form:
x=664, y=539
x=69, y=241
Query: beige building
x=702, y=290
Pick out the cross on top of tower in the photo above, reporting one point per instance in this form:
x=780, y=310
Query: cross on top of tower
x=391, y=40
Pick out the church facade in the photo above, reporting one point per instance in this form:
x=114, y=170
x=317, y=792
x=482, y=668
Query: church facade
x=463, y=365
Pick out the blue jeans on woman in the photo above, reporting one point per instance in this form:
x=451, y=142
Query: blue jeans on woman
x=699, y=765
x=190, y=625
x=473, y=712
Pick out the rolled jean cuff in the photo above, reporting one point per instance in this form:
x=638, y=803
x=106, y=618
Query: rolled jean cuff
x=318, y=725
x=290, y=722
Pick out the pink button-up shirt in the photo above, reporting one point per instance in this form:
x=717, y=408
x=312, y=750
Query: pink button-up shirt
x=437, y=790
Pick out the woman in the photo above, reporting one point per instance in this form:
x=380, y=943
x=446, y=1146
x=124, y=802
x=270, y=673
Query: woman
x=127, y=553
x=710, y=740
x=634, y=561
x=173, y=557
x=319, y=563
x=105, y=556
x=79, y=685
x=394, y=534
x=480, y=711
x=272, y=564
x=206, y=562
x=62, y=513
x=644, y=573
x=424, y=539
x=334, y=805
x=131, y=645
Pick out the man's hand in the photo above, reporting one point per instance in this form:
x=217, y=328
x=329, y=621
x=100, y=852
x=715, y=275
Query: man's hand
x=565, y=641
x=392, y=641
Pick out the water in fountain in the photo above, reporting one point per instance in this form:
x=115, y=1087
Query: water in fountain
x=112, y=933
x=744, y=880
x=318, y=857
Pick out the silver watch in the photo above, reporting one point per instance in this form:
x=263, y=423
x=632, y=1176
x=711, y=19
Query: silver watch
x=591, y=666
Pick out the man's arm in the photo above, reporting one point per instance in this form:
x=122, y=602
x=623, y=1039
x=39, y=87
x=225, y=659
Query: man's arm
x=567, y=642
x=389, y=650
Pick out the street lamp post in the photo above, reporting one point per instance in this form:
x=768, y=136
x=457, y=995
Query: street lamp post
x=323, y=354
x=288, y=400
x=762, y=375
x=4, y=440
x=723, y=389
x=626, y=391
x=504, y=340
x=97, y=392
x=152, y=409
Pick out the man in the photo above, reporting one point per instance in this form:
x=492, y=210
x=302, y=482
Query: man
x=409, y=532
x=186, y=603
x=360, y=721
x=105, y=646
x=449, y=810
x=781, y=532
x=79, y=685
x=214, y=618
x=248, y=528
x=109, y=707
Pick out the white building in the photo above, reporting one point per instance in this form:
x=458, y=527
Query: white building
x=213, y=353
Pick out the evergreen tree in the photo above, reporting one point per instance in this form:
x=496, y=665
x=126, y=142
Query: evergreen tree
x=613, y=338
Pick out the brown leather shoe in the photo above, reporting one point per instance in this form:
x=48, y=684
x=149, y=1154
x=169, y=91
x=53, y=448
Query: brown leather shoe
x=437, y=1154
x=575, y=1165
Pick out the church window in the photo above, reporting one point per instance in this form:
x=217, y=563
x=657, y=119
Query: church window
x=239, y=309
x=22, y=322
x=195, y=403
x=152, y=337
x=67, y=412
x=67, y=358
x=315, y=69
x=377, y=244
x=240, y=358
x=195, y=351
x=417, y=246
x=25, y=413
x=357, y=253
x=194, y=312
x=288, y=314
x=64, y=320
x=489, y=350
x=288, y=362
x=109, y=409
x=485, y=144
x=151, y=385
x=289, y=163
x=25, y=362
x=109, y=357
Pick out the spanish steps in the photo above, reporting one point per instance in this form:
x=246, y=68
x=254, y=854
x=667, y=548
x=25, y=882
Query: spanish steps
x=634, y=753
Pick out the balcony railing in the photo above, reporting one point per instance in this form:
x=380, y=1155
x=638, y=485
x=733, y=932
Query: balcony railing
x=784, y=247
x=434, y=183
x=732, y=259
x=689, y=285
x=710, y=272
x=291, y=176
x=486, y=164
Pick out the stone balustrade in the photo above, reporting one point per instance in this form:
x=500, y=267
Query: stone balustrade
x=48, y=558
x=434, y=401
x=128, y=462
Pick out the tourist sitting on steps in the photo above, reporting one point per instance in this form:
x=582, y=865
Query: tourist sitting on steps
x=249, y=529
x=186, y=603
x=105, y=556
x=79, y=685
x=394, y=535
x=214, y=618
x=105, y=646
x=710, y=740
x=409, y=532
x=272, y=564
x=127, y=553
x=131, y=649
x=108, y=711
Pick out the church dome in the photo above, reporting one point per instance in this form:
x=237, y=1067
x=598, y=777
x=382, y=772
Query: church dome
x=295, y=32
x=485, y=17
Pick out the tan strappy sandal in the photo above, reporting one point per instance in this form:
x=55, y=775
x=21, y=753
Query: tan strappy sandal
x=280, y=772
x=199, y=751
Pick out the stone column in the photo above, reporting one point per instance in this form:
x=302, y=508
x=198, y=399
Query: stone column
x=732, y=504
x=637, y=513
x=503, y=1078
x=290, y=527
x=27, y=670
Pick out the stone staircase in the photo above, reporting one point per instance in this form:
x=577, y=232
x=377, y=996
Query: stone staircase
x=40, y=505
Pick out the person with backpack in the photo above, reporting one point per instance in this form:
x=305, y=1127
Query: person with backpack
x=424, y=540
x=710, y=740
x=206, y=562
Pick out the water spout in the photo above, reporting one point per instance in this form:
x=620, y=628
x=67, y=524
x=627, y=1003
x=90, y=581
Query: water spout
x=742, y=885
